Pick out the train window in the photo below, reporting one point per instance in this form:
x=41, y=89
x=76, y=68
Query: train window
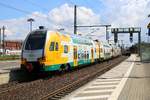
x=75, y=53
x=65, y=49
x=56, y=48
x=52, y=46
x=84, y=54
x=36, y=40
x=87, y=55
x=79, y=56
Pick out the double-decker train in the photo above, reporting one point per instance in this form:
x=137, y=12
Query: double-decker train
x=45, y=50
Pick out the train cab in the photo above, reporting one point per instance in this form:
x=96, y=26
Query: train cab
x=33, y=49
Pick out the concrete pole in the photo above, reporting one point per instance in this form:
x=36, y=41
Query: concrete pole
x=75, y=19
x=3, y=28
x=0, y=39
x=139, y=44
x=107, y=33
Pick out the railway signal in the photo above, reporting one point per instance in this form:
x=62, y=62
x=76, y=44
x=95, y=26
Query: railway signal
x=130, y=31
x=131, y=37
x=115, y=37
x=77, y=26
x=149, y=32
x=148, y=26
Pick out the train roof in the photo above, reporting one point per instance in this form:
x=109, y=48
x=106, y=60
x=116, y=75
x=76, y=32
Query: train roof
x=76, y=38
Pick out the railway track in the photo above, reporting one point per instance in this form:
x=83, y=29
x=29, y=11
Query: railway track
x=58, y=86
x=57, y=94
x=6, y=87
x=16, y=85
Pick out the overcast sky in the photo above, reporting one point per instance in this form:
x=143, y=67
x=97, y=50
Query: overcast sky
x=55, y=14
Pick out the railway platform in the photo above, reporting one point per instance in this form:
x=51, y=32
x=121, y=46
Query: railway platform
x=7, y=66
x=130, y=80
x=7, y=70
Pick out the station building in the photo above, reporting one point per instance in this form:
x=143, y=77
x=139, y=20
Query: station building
x=12, y=45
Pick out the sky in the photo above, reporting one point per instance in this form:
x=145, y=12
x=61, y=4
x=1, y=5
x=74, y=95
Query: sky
x=57, y=14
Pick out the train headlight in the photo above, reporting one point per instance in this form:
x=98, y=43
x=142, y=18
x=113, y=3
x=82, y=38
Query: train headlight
x=23, y=61
x=42, y=60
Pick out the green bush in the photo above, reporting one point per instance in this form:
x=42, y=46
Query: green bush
x=9, y=57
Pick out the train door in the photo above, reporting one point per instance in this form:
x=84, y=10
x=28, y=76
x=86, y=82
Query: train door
x=57, y=55
x=92, y=55
x=99, y=51
x=75, y=60
x=52, y=52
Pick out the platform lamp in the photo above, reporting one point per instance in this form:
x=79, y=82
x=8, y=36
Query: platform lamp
x=0, y=38
x=31, y=20
x=148, y=27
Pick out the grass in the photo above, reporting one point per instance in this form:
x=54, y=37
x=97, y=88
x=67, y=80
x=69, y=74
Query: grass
x=9, y=57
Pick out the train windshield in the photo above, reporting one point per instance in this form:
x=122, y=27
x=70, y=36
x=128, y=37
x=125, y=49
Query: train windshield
x=36, y=40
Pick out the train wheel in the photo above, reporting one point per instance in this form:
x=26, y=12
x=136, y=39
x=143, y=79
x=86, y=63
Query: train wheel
x=67, y=68
x=62, y=68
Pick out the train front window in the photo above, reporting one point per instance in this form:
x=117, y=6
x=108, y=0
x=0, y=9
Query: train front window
x=36, y=40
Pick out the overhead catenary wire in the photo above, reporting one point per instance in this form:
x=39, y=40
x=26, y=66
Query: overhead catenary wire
x=73, y=4
x=80, y=7
x=20, y=10
x=107, y=35
x=44, y=8
x=14, y=8
x=36, y=5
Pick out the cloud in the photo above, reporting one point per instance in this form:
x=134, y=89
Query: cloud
x=127, y=13
x=64, y=17
x=119, y=13
x=60, y=17
x=65, y=13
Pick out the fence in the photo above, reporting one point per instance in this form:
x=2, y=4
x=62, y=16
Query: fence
x=145, y=52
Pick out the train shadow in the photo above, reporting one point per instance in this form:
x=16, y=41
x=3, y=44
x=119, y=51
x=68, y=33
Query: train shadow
x=23, y=76
x=132, y=61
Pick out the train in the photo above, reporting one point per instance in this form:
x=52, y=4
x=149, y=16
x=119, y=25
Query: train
x=45, y=51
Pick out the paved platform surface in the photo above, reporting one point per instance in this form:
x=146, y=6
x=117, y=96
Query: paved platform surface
x=7, y=69
x=138, y=84
x=6, y=66
x=127, y=81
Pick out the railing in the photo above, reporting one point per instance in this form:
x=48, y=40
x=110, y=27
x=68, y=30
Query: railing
x=126, y=30
x=145, y=52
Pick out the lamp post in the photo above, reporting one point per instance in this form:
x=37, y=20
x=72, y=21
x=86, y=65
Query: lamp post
x=148, y=27
x=30, y=20
x=0, y=38
x=3, y=41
